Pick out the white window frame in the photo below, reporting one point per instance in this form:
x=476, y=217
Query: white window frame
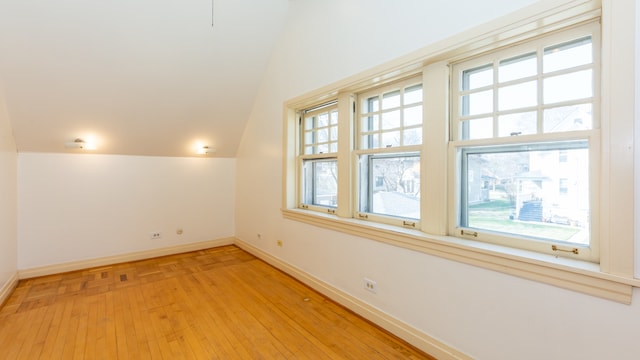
x=384, y=151
x=459, y=145
x=303, y=157
x=613, y=278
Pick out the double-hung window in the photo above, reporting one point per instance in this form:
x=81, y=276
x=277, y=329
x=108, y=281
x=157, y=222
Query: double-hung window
x=525, y=135
x=318, y=159
x=389, y=139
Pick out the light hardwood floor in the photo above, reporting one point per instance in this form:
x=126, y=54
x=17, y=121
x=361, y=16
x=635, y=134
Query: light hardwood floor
x=220, y=303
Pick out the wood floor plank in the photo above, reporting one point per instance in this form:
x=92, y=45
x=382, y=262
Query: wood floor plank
x=65, y=341
x=212, y=323
x=31, y=325
x=330, y=333
x=219, y=303
x=277, y=322
x=132, y=326
x=23, y=333
x=53, y=331
x=82, y=313
x=92, y=328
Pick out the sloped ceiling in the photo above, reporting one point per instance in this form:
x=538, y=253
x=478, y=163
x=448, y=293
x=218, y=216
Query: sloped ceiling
x=140, y=77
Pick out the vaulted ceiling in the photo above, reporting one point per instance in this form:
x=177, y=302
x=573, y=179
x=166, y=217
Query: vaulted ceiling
x=138, y=77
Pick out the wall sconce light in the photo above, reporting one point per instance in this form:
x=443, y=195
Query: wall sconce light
x=204, y=150
x=80, y=144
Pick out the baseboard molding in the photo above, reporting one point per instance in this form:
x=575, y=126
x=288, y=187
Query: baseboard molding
x=115, y=259
x=7, y=288
x=410, y=334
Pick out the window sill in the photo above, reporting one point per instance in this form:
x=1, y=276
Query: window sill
x=569, y=274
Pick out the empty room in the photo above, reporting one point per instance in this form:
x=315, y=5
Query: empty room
x=303, y=179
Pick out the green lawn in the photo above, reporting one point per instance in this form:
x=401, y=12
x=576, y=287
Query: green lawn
x=494, y=215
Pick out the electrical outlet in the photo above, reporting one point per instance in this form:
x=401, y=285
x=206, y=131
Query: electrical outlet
x=155, y=235
x=370, y=285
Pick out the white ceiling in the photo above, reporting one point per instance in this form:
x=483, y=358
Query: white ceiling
x=142, y=77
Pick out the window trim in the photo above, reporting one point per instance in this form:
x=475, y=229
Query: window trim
x=614, y=278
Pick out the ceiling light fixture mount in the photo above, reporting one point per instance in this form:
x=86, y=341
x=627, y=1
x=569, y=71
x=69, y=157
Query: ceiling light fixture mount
x=204, y=150
x=79, y=143
x=75, y=144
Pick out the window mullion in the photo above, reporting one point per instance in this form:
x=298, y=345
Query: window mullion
x=345, y=145
x=496, y=96
x=540, y=82
x=433, y=207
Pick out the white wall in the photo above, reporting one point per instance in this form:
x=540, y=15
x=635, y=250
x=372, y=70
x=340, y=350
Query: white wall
x=8, y=199
x=75, y=207
x=485, y=314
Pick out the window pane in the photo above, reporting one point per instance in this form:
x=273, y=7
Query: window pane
x=391, y=120
x=477, y=129
x=573, y=86
x=310, y=123
x=391, y=138
x=323, y=135
x=333, y=133
x=529, y=193
x=309, y=137
x=323, y=120
x=334, y=117
x=413, y=94
x=413, y=116
x=477, y=103
x=370, y=141
x=517, y=124
x=370, y=123
x=518, y=67
x=567, y=55
x=412, y=136
x=323, y=149
x=308, y=150
x=371, y=104
x=391, y=184
x=478, y=77
x=517, y=96
x=321, y=182
x=568, y=118
x=391, y=100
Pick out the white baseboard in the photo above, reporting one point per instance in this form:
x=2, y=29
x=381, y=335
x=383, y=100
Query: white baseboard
x=404, y=331
x=115, y=259
x=7, y=288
